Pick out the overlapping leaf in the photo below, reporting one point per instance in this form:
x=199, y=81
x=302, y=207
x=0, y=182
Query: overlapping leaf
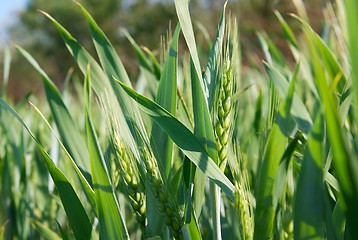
x=185, y=140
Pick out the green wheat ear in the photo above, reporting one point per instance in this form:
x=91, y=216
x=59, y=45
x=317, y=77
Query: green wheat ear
x=131, y=181
x=165, y=203
x=125, y=165
x=224, y=114
x=243, y=201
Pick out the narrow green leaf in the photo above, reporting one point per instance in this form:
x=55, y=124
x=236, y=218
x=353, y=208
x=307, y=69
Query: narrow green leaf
x=309, y=196
x=331, y=180
x=192, y=229
x=272, y=54
x=113, y=67
x=337, y=219
x=71, y=203
x=185, y=140
x=280, y=186
x=203, y=127
x=86, y=186
x=258, y=114
x=287, y=30
x=198, y=192
x=273, y=153
x=72, y=144
x=331, y=63
x=299, y=110
x=111, y=224
x=64, y=234
x=142, y=59
x=70, y=134
x=182, y=9
x=166, y=97
x=100, y=82
x=203, y=130
x=103, y=83
x=156, y=65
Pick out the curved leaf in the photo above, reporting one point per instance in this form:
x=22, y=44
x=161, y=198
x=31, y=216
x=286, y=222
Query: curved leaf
x=185, y=140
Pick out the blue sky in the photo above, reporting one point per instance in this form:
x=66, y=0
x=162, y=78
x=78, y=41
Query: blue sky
x=7, y=7
x=7, y=10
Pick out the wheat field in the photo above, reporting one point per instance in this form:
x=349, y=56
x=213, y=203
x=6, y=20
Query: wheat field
x=207, y=149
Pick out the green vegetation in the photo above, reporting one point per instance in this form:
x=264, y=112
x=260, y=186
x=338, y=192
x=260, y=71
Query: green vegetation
x=197, y=150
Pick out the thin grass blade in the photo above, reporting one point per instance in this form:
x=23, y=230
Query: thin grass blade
x=100, y=82
x=86, y=186
x=203, y=130
x=192, y=229
x=272, y=54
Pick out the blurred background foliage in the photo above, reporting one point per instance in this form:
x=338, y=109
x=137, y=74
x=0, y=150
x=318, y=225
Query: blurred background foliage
x=145, y=20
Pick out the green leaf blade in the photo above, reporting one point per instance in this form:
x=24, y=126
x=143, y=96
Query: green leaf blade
x=185, y=139
x=309, y=196
x=299, y=110
x=111, y=224
x=166, y=97
x=110, y=220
